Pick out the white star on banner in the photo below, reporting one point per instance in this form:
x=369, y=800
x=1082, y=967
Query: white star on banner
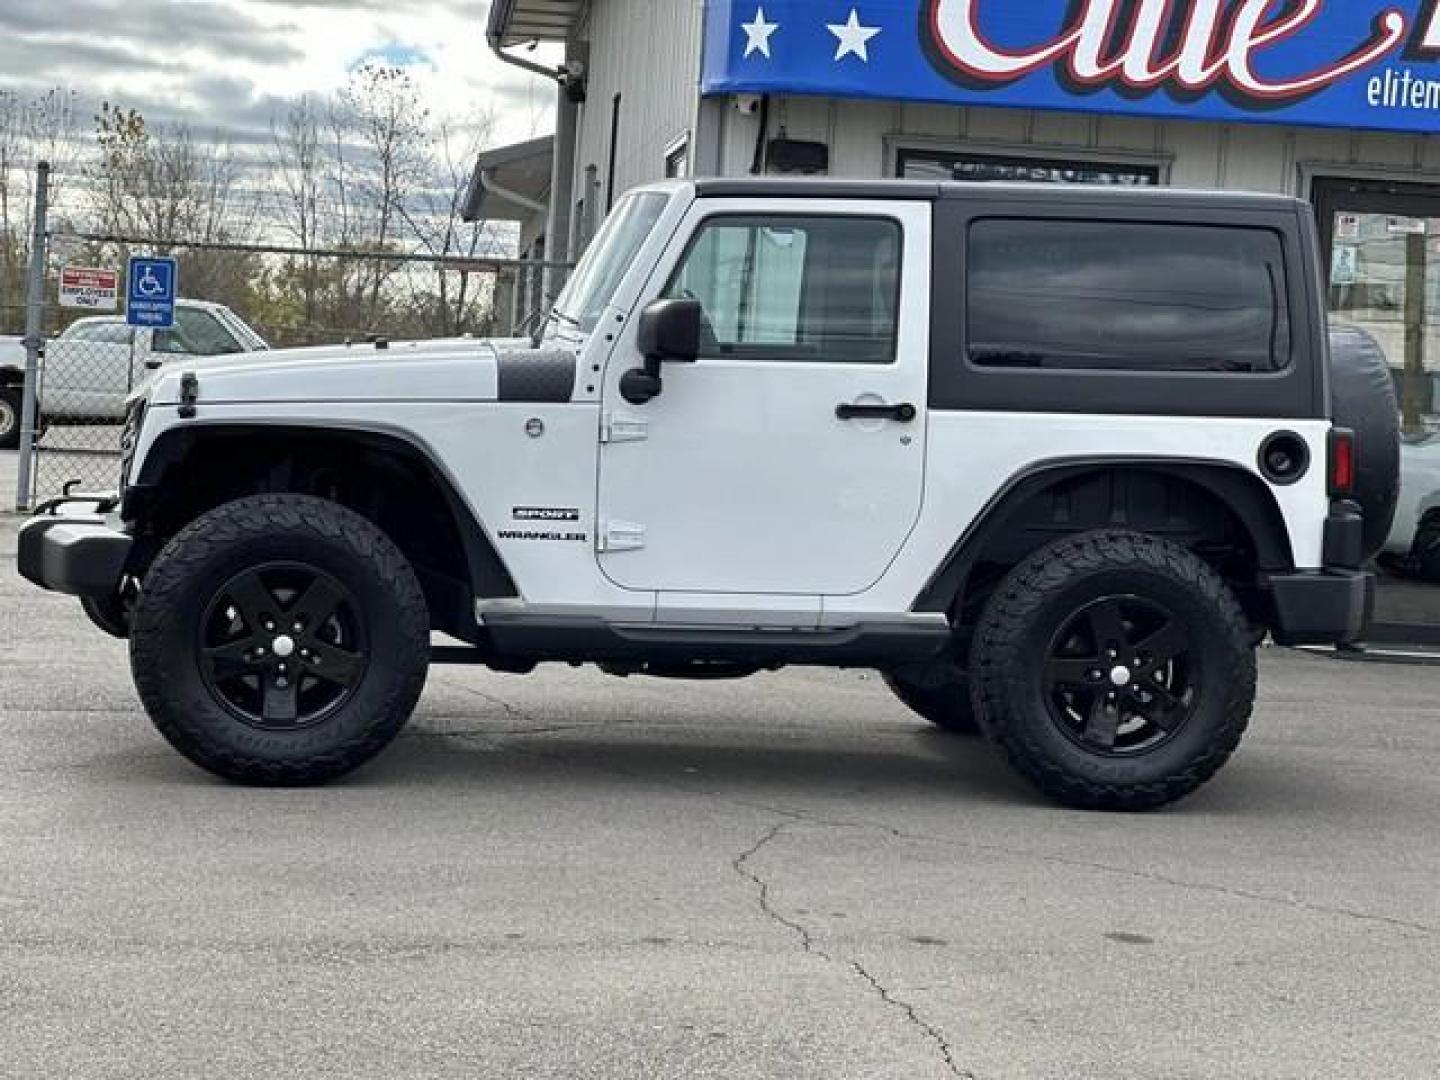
x=757, y=34
x=852, y=37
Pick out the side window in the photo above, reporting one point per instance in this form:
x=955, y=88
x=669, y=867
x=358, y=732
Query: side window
x=792, y=288
x=195, y=333
x=112, y=333
x=1126, y=296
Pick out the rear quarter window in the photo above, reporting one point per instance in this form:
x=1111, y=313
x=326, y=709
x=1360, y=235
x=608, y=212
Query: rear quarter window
x=1126, y=296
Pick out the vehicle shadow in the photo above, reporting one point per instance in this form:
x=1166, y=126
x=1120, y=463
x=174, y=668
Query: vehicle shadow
x=926, y=764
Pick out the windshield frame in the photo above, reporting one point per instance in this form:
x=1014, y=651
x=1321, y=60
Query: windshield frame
x=609, y=258
x=240, y=330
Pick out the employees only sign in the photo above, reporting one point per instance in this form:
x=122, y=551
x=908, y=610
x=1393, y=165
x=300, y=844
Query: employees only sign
x=88, y=289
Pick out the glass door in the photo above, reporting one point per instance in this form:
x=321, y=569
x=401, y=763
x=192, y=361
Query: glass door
x=1383, y=246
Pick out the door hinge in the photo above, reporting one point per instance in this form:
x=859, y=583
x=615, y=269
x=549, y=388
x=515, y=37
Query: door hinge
x=621, y=428
x=621, y=536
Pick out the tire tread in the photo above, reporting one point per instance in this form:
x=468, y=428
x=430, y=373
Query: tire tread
x=998, y=654
x=233, y=523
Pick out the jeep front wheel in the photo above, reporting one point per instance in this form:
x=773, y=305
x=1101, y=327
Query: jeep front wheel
x=280, y=639
x=1115, y=670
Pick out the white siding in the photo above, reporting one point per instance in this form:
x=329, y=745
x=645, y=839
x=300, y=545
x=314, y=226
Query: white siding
x=648, y=51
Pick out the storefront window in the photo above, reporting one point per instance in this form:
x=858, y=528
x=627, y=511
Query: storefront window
x=924, y=164
x=1383, y=279
x=1383, y=244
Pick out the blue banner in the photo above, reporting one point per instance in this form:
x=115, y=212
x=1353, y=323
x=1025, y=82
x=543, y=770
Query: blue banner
x=1329, y=63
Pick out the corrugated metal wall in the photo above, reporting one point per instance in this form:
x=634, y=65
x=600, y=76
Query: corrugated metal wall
x=648, y=51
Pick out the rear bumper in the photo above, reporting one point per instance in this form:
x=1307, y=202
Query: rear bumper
x=81, y=554
x=1321, y=607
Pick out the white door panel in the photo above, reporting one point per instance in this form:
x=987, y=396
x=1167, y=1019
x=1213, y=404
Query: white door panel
x=745, y=480
x=85, y=378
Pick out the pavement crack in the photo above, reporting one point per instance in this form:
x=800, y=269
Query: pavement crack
x=1132, y=872
x=742, y=866
x=509, y=709
x=933, y=1033
x=799, y=816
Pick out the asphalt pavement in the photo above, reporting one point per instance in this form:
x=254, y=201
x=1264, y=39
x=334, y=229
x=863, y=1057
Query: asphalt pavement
x=570, y=875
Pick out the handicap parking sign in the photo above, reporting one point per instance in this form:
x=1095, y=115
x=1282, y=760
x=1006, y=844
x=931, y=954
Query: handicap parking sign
x=152, y=285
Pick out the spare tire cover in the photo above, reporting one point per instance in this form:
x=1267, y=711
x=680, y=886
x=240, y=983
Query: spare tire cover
x=1362, y=398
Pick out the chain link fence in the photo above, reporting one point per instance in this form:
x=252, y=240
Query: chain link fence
x=239, y=299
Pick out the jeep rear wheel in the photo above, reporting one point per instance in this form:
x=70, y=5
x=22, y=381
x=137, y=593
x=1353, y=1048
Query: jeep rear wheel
x=280, y=639
x=939, y=691
x=1115, y=670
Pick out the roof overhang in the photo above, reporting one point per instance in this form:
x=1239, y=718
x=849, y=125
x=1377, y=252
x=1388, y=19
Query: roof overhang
x=511, y=183
x=515, y=22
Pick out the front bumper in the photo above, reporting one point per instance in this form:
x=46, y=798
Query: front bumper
x=1321, y=607
x=80, y=552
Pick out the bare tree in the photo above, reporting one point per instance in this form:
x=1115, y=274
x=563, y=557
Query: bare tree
x=304, y=192
x=435, y=218
x=33, y=128
x=175, y=191
x=389, y=124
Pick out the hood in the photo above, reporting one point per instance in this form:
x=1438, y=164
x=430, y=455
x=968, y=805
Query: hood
x=452, y=369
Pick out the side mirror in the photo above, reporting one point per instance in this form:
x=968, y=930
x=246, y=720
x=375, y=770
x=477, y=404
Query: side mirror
x=669, y=333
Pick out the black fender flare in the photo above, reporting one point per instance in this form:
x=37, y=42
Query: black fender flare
x=1245, y=493
x=489, y=576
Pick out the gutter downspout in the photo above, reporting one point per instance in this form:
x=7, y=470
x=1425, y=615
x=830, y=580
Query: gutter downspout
x=570, y=90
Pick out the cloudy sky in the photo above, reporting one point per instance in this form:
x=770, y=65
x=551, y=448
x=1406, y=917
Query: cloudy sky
x=228, y=65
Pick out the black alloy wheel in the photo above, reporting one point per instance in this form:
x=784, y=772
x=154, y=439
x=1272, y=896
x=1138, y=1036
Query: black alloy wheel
x=280, y=639
x=282, y=646
x=1116, y=670
x=1121, y=676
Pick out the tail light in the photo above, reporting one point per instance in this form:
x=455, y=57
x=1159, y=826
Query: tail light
x=1342, y=463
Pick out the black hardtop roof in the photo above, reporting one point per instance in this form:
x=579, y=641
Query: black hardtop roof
x=930, y=191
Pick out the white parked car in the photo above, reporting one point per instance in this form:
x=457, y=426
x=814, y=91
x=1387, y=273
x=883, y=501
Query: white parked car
x=96, y=363
x=1413, y=546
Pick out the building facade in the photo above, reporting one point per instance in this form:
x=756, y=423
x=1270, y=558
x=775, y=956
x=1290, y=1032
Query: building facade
x=1336, y=101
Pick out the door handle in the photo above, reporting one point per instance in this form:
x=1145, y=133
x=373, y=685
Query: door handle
x=903, y=413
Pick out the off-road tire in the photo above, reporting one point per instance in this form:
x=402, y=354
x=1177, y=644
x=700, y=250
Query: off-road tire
x=11, y=401
x=939, y=691
x=192, y=569
x=1014, y=637
x=107, y=613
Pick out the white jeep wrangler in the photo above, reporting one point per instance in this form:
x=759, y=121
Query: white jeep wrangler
x=1053, y=459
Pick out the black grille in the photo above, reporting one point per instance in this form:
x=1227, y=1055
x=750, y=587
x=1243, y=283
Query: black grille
x=129, y=437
